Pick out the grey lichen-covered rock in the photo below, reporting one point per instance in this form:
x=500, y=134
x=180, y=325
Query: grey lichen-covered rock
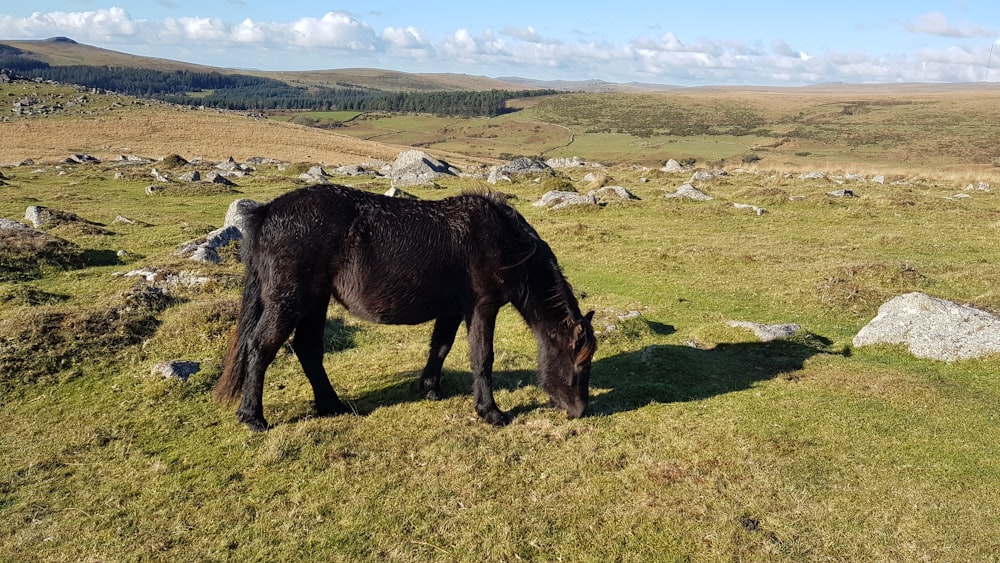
x=176, y=369
x=933, y=328
x=687, y=191
x=236, y=214
x=613, y=194
x=206, y=249
x=754, y=208
x=214, y=177
x=564, y=162
x=315, y=175
x=521, y=166
x=417, y=168
x=560, y=200
x=672, y=166
x=8, y=225
x=396, y=192
x=767, y=333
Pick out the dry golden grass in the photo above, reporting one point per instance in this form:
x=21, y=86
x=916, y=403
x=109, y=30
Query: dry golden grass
x=161, y=130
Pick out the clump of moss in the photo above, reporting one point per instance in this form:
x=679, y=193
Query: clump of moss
x=26, y=253
x=45, y=342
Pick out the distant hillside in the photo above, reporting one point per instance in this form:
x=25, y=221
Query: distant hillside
x=62, y=51
x=593, y=86
x=64, y=61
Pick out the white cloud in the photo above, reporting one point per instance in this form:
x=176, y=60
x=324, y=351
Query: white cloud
x=529, y=35
x=184, y=30
x=405, y=38
x=521, y=51
x=336, y=30
x=936, y=23
x=97, y=25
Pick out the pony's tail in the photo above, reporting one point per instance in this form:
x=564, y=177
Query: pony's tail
x=234, y=371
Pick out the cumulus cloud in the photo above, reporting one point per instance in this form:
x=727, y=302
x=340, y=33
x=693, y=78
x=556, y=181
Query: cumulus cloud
x=335, y=29
x=936, y=23
x=528, y=35
x=405, y=38
x=524, y=51
x=97, y=25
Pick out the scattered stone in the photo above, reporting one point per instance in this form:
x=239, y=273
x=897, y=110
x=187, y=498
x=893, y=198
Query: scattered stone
x=206, y=248
x=154, y=188
x=214, y=177
x=159, y=177
x=933, y=328
x=978, y=187
x=556, y=199
x=315, y=175
x=260, y=160
x=611, y=194
x=8, y=225
x=754, y=208
x=563, y=162
x=704, y=175
x=522, y=166
x=120, y=219
x=82, y=159
x=672, y=166
x=878, y=179
x=43, y=217
x=230, y=165
x=687, y=191
x=841, y=193
x=417, y=168
x=192, y=176
x=176, y=369
x=767, y=333
x=236, y=214
x=354, y=170
x=812, y=176
x=396, y=192
x=167, y=279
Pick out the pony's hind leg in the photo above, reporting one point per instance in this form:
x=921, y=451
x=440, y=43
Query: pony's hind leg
x=442, y=338
x=266, y=338
x=308, y=347
x=481, y=328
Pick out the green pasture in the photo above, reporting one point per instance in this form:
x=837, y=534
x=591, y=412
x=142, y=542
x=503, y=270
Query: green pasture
x=700, y=444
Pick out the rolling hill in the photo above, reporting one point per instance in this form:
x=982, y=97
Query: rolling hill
x=62, y=51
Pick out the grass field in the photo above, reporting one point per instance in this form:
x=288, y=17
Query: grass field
x=701, y=443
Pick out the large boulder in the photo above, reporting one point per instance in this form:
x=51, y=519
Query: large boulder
x=556, y=199
x=933, y=328
x=687, y=191
x=522, y=166
x=236, y=214
x=417, y=168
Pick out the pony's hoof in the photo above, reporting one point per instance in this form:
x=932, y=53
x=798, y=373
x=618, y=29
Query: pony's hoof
x=332, y=409
x=434, y=395
x=498, y=418
x=259, y=425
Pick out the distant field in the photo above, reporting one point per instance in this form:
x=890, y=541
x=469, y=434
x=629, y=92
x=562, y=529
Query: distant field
x=797, y=128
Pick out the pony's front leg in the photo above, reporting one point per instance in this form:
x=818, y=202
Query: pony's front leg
x=481, y=328
x=442, y=338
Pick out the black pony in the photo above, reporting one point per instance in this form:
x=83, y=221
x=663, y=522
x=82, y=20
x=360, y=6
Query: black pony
x=400, y=261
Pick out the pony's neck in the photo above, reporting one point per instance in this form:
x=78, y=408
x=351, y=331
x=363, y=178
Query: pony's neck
x=547, y=299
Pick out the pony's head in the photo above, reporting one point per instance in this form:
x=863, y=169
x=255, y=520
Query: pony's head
x=564, y=366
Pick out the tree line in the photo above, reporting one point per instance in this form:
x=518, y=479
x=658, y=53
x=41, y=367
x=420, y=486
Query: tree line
x=254, y=93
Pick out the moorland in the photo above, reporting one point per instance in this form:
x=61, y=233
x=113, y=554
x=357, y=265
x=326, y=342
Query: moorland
x=701, y=442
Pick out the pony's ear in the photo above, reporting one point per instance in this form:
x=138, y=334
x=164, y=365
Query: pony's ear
x=589, y=317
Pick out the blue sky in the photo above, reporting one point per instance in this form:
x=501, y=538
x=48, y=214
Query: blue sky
x=685, y=43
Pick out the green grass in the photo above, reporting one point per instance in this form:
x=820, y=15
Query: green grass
x=701, y=443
